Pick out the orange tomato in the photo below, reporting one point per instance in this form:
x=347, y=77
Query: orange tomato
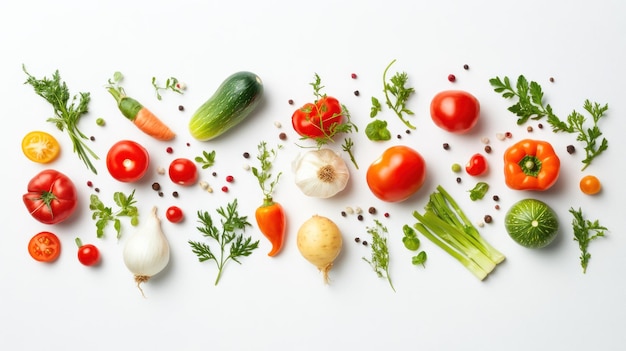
x=590, y=185
x=40, y=147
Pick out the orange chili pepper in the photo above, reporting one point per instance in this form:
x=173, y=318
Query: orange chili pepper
x=531, y=165
x=272, y=222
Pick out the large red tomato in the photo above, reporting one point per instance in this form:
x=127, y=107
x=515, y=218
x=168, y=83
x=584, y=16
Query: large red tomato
x=127, y=161
x=51, y=197
x=317, y=120
x=455, y=111
x=397, y=174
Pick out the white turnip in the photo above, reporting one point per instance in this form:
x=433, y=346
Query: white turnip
x=319, y=241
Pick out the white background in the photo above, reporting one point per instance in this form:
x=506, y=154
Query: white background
x=536, y=299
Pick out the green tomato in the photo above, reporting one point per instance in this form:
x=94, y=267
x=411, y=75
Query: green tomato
x=531, y=223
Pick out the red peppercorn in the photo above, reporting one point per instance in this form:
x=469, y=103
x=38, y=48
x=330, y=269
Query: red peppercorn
x=353, y=75
x=386, y=214
x=225, y=189
x=169, y=150
x=451, y=77
x=89, y=183
x=230, y=179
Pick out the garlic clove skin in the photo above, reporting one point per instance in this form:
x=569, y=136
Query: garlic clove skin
x=147, y=251
x=320, y=173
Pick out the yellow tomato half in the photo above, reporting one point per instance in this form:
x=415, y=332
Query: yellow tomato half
x=40, y=147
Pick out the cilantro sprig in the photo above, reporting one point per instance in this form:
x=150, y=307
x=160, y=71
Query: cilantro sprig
x=104, y=215
x=585, y=231
x=232, y=243
x=379, y=260
x=171, y=83
x=530, y=105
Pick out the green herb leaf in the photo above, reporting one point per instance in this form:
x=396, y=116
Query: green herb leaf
x=396, y=88
x=207, y=159
x=171, y=83
x=376, y=107
x=585, y=231
x=419, y=259
x=479, y=191
x=230, y=239
x=103, y=215
x=266, y=158
x=377, y=130
x=379, y=260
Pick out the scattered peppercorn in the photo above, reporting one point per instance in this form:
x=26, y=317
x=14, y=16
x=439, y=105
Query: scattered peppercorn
x=466, y=66
x=97, y=190
x=540, y=126
x=496, y=198
x=156, y=186
x=343, y=213
x=357, y=239
x=225, y=189
x=399, y=136
x=487, y=149
x=451, y=77
x=353, y=76
x=89, y=183
x=488, y=219
x=92, y=138
x=356, y=93
x=446, y=146
x=458, y=180
x=160, y=193
x=359, y=217
x=181, y=108
x=290, y=102
x=529, y=129
x=188, y=144
x=508, y=135
x=408, y=131
x=386, y=214
x=571, y=149
x=246, y=155
x=372, y=210
x=214, y=174
x=100, y=121
x=551, y=79
x=282, y=136
x=175, y=194
x=456, y=168
x=364, y=243
x=230, y=179
x=169, y=150
x=497, y=207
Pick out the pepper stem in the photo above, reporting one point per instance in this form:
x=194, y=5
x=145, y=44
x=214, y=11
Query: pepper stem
x=530, y=165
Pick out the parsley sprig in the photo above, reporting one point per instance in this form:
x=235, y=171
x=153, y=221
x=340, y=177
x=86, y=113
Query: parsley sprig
x=232, y=243
x=104, y=215
x=530, y=105
x=379, y=260
x=67, y=113
x=584, y=232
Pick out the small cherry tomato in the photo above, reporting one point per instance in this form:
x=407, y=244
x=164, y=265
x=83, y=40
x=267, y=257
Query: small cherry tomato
x=590, y=185
x=183, y=171
x=44, y=247
x=40, y=147
x=174, y=214
x=88, y=254
x=455, y=111
x=397, y=174
x=477, y=165
x=127, y=161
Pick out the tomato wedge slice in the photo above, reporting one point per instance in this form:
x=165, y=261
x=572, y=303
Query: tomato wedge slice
x=40, y=147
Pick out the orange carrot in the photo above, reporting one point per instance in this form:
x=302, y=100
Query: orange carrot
x=145, y=120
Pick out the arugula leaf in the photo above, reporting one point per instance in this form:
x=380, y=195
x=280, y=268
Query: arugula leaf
x=103, y=215
x=232, y=243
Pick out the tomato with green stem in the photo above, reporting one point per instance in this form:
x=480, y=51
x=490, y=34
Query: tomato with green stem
x=51, y=197
x=318, y=120
x=88, y=254
x=127, y=161
x=44, y=247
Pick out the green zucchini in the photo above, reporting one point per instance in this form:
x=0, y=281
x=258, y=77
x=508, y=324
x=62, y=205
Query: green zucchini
x=232, y=102
x=531, y=223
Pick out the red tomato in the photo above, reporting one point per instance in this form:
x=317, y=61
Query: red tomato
x=51, y=197
x=88, y=254
x=455, y=111
x=127, y=161
x=317, y=120
x=397, y=174
x=174, y=214
x=44, y=247
x=183, y=171
x=477, y=165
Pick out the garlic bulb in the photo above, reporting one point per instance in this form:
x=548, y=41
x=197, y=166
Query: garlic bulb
x=320, y=173
x=147, y=251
